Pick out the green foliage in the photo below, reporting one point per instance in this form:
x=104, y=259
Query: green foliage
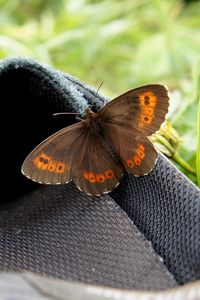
x=198, y=147
x=123, y=43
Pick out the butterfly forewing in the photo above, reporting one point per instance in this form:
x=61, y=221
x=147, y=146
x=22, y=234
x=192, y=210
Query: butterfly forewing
x=53, y=161
x=143, y=109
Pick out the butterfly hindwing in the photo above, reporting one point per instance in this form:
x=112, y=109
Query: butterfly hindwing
x=136, y=153
x=143, y=109
x=99, y=172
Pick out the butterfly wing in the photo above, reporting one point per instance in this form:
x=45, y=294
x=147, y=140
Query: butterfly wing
x=142, y=109
x=52, y=161
x=74, y=152
x=99, y=173
x=136, y=153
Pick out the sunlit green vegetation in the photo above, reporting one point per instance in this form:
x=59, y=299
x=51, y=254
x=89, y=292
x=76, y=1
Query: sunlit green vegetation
x=124, y=44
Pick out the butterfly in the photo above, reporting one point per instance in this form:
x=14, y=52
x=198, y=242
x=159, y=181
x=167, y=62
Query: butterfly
x=96, y=152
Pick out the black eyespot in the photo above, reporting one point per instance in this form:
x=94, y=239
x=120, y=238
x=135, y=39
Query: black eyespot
x=146, y=100
x=44, y=160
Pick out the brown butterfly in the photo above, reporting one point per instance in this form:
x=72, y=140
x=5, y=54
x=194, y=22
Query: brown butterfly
x=96, y=152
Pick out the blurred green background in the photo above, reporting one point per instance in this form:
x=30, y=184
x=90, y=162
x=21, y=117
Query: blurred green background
x=124, y=44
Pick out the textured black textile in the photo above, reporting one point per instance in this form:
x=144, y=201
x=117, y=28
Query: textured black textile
x=165, y=206
x=61, y=232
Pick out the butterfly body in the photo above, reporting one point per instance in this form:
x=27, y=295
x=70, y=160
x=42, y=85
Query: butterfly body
x=93, y=122
x=96, y=152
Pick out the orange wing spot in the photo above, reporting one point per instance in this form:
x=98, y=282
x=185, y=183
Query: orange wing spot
x=86, y=175
x=148, y=99
x=45, y=156
x=140, y=153
x=51, y=166
x=100, y=177
x=109, y=174
x=60, y=168
x=148, y=111
x=146, y=119
x=42, y=161
x=45, y=162
x=37, y=163
x=141, y=147
x=91, y=177
x=130, y=163
x=148, y=102
x=137, y=160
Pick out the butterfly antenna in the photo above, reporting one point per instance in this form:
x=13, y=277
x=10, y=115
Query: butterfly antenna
x=65, y=113
x=103, y=99
x=68, y=113
x=100, y=86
